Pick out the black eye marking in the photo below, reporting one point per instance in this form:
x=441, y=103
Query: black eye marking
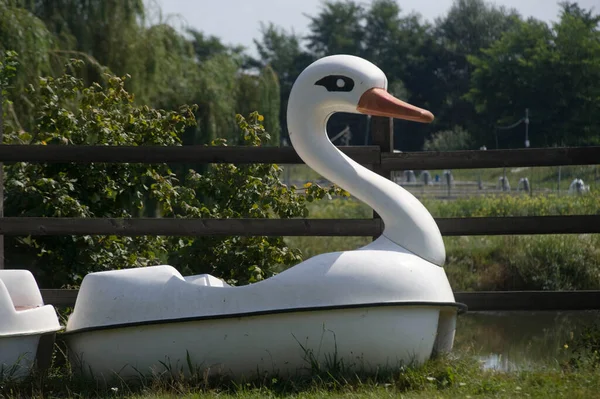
x=336, y=83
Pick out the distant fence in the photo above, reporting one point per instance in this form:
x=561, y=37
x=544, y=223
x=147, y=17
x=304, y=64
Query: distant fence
x=379, y=157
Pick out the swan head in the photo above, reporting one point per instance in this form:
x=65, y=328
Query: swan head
x=345, y=83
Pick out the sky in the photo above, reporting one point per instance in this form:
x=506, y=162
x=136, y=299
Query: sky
x=238, y=21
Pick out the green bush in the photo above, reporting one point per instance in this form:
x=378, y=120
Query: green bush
x=242, y=191
x=545, y=262
x=584, y=348
x=71, y=114
x=68, y=113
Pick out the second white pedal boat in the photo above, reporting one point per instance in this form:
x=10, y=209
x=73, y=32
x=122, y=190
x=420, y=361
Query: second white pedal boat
x=383, y=305
x=27, y=326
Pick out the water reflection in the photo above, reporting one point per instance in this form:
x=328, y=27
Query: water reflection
x=511, y=341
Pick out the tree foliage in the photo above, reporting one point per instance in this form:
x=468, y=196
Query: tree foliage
x=281, y=52
x=477, y=67
x=553, y=71
x=261, y=93
x=440, y=65
x=449, y=140
x=167, y=67
x=71, y=113
x=337, y=29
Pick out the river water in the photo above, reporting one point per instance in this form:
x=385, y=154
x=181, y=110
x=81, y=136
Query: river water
x=510, y=341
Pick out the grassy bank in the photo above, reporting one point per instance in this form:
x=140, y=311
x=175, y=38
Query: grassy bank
x=520, y=205
x=442, y=378
x=542, y=262
x=550, y=262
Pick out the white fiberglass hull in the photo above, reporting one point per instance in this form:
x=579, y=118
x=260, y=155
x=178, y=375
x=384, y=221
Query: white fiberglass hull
x=364, y=338
x=19, y=354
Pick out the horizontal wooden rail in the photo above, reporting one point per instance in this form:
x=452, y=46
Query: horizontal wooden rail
x=163, y=154
x=190, y=227
x=287, y=155
x=577, y=224
x=59, y=298
x=476, y=301
x=490, y=226
x=491, y=158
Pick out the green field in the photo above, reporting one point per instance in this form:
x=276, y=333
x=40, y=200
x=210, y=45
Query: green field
x=542, y=262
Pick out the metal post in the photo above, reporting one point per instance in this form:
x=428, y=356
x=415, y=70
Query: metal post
x=382, y=134
x=526, y=127
x=496, y=135
x=479, y=180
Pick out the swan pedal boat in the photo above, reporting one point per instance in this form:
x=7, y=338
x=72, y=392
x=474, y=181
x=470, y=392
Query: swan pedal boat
x=384, y=305
x=27, y=328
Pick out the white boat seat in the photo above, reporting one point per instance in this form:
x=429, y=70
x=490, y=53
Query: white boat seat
x=22, y=308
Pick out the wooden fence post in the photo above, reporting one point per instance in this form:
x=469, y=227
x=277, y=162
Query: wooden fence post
x=382, y=133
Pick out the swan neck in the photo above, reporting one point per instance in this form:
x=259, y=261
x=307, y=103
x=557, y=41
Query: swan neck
x=407, y=222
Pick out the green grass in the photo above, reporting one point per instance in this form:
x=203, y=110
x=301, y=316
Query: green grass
x=536, y=262
x=458, y=377
x=520, y=205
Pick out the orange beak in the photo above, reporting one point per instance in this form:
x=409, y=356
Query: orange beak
x=378, y=102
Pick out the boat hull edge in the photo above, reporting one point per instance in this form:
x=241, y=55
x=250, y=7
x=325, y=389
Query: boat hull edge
x=359, y=339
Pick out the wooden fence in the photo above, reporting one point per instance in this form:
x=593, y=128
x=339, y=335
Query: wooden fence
x=379, y=157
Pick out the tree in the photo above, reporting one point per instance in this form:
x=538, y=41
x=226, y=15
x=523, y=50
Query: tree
x=216, y=98
x=281, y=52
x=553, y=71
x=206, y=47
x=382, y=35
x=401, y=45
x=26, y=35
x=115, y=36
x=106, y=30
x=337, y=29
x=168, y=71
x=391, y=43
x=585, y=16
x=68, y=113
x=449, y=140
x=469, y=27
x=261, y=93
